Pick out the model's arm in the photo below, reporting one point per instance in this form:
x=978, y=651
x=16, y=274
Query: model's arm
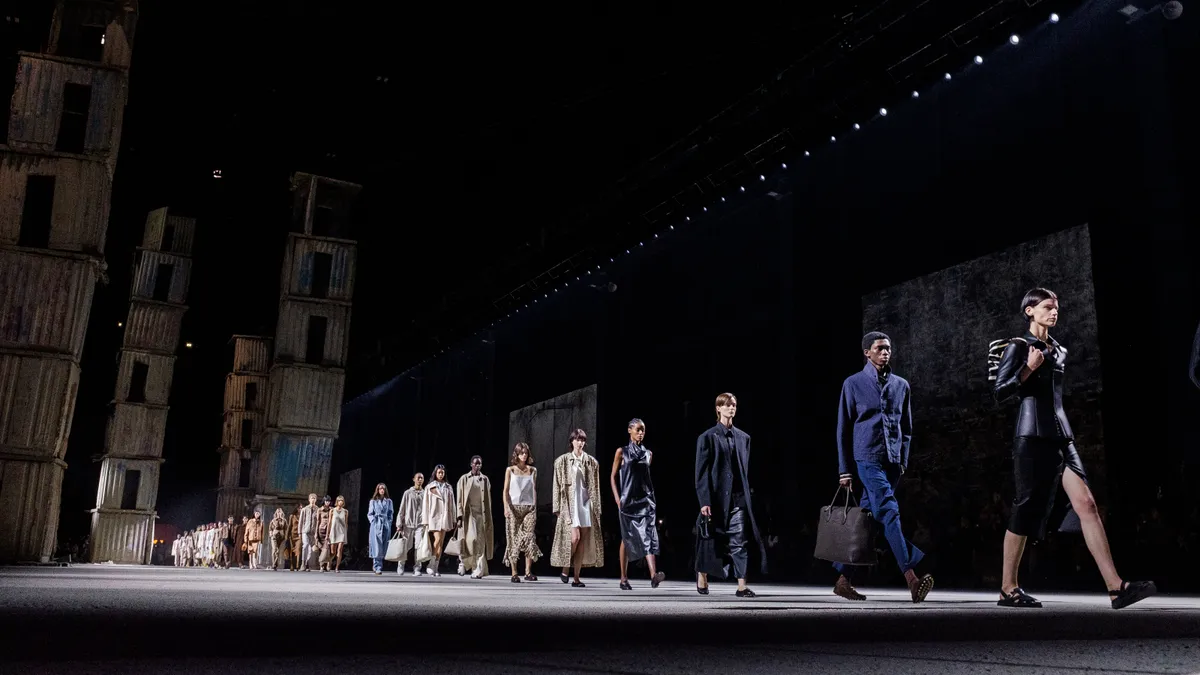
x=612, y=478
x=704, y=459
x=535, y=501
x=1194, y=370
x=845, y=431
x=504, y=494
x=1013, y=370
x=905, y=427
x=557, y=490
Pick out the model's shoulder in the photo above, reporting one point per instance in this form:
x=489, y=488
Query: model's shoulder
x=738, y=433
x=901, y=381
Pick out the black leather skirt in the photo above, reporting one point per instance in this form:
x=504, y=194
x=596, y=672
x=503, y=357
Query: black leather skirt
x=1038, y=465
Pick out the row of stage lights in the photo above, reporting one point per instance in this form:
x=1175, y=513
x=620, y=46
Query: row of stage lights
x=1013, y=40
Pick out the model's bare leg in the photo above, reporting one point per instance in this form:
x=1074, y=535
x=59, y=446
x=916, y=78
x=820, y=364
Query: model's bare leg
x=1093, y=529
x=1014, y=549
x=650, y=562
x=624, y=564
x=338, y=565
x=701, y=580
x=577, y=535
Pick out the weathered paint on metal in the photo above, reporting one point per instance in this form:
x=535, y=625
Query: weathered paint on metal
x=30, y=493
x=296, y=464
x=160, y=373
x=37, y=104
x=136, y=430
x=298, y=266
x=121, y=537
x=181, y=242
x=112, y=482
x=231, y=463
x=235, y=391
x=251, y=354
x=153, y=326
x=291, y=339
x=37, y=400
x=145, y=275
x=547, y=427
x=79, y=219
x=45, y=301
x=305, y=397
x=236, y=502
x=231, y=435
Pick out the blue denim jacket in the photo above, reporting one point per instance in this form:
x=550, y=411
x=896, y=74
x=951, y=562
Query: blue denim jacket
x=874, y=422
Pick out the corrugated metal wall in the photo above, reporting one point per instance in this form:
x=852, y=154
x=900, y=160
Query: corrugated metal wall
x=231, y=463
x=30, y=494
x=295, y=464
x=235, y=391
x=82, y=189
x=136, y=430
x=112, y=482
x=231, y=436
x=305, y=397
x=181, y=242
x=37, y=399
x=251, y=354
x=298, y=266
x=37, y=105
x=291, y=337
x=153, y=326
x=121, y=537
x=234, y=502
x=145, y=275
x=158, y=379
x=45, y=301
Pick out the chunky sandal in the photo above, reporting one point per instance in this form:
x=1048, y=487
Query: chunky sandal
x=1131, y=592
x=1018, y=598
x=530, y=577
x=746, y=593
x=516, y=579
x=578, y=584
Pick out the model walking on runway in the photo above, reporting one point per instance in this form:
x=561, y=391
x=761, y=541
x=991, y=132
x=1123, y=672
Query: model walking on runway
x=520, y=512
x=637, y=511
x=578, y=540
x=339, y=526
x=410, y=523
x=440, y=514
x=476, y=538
x=380, y=514
x=1031, y=370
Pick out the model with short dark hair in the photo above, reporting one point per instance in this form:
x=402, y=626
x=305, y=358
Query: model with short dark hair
x=723, y=490
x=380, y=513
x=476, y=538
x=578, y=539
x=1031, y=371
x=874, y=433
x=637, y=511
x=410, y=523
x=440, y=514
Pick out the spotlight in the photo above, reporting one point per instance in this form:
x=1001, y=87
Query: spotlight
x=1014, y=39
x=706, y=209
x=741, y=189
x=120, y=324
x=688, y=218
x=1054, y=18
x=833, y=139
x=807, y=154
x=947, y=77
x=1172, y=10
x=856, y=127
x=916, y=94
x=188, y=345
x=785, y=165
x=672, y=227
x=883, y=112
x=722, y=199
x=978, y=60
x=762, y=177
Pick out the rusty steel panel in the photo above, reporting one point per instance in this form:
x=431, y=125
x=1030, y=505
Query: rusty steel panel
x=291, y=334
x=145, y=275
x=251, y=354
x=161, y=371
x=295, y=464
x=236, y=502
x=45, y=301
x=231, y=466
x=299, y=267
x=121, y=537
x=37, y=105
x=136, y=430
x=79, y=216
x=236, y=394
x=305, y=397
x=153, y=326
x=37, y=402
x=30, y=494
x=113, y=472
x=231, y=436
x=184, y=232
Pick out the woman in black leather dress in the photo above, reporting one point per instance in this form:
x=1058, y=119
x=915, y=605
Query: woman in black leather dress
x=1044, y=454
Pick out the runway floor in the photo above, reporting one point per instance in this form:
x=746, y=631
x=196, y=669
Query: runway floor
x=115, y=619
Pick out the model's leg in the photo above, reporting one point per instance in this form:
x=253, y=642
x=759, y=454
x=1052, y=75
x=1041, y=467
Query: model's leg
x=624, y=563
x=737, y=545
x=1093, y=529
x=652, y=564
x=577, y=535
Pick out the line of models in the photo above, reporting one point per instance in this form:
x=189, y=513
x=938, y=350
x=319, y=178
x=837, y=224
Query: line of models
x=874, y=434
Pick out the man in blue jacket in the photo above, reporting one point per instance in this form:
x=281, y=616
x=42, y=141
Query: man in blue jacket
x=874, y=434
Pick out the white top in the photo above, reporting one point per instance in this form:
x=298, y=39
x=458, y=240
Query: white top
x=520, y=489
x=581, y=506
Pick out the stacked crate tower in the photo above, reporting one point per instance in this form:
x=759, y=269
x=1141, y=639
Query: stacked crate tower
x=245, y=414
x=307, y=377
x=57, y=155
x=123, y=520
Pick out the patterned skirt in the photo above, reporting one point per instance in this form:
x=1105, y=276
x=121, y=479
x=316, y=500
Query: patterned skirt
x=521, y=539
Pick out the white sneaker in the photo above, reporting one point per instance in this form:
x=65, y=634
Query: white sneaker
x=416, y=572
x=462, y=570
x=425, y=570
x=477, y=574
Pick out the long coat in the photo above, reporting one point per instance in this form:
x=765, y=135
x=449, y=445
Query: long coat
x=379, y=514
x=487, y=534
x=593, y=547
x=714, y=480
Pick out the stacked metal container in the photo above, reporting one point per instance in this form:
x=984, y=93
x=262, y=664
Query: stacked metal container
x=56, y=170
x=307, y=377
x=245, y=416
x=123, y=520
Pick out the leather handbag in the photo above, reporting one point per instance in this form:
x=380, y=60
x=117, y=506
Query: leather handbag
x=397, y=548
x=844, y=533
x=452, y=548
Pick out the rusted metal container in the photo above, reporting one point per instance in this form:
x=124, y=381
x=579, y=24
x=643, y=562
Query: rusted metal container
x=176, y=270
x=125, y=537
x=37, y=401
x=136, y=430
x=153, y=326
x=231, y=467
x=294, y=464
x=81, y=192
x=143, y=377
x=31, y=493
x=45, y=301
x=319, y=267
x=168, y=233
x=251, y=354
x=306, y=326
x=246, y=391
x=304, y=397
x=41, y=99
x=243, y=430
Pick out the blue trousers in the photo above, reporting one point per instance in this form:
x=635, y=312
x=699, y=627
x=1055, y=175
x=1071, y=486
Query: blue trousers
x=878, y=496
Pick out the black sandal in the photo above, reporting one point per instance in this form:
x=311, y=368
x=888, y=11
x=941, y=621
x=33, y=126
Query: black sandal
x=657, y=579
x=1131, y=592
x=746, y=593
x=530, y=577
x=1018, y=598
x=564, y=578
x=702, y=590
x=578, y=584
x=516, y=579
x=625, y=586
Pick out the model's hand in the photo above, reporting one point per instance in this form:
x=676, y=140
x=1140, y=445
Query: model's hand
x=706, y=511
x=507, y=512
x=1035, y=359
x=846, y=482
x=618, y=501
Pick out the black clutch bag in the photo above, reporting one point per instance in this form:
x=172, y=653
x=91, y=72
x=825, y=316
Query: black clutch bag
x=703, y=527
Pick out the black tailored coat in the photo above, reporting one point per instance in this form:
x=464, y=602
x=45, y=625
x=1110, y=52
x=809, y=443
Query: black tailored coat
x=714, y=481
x=1040, y=413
